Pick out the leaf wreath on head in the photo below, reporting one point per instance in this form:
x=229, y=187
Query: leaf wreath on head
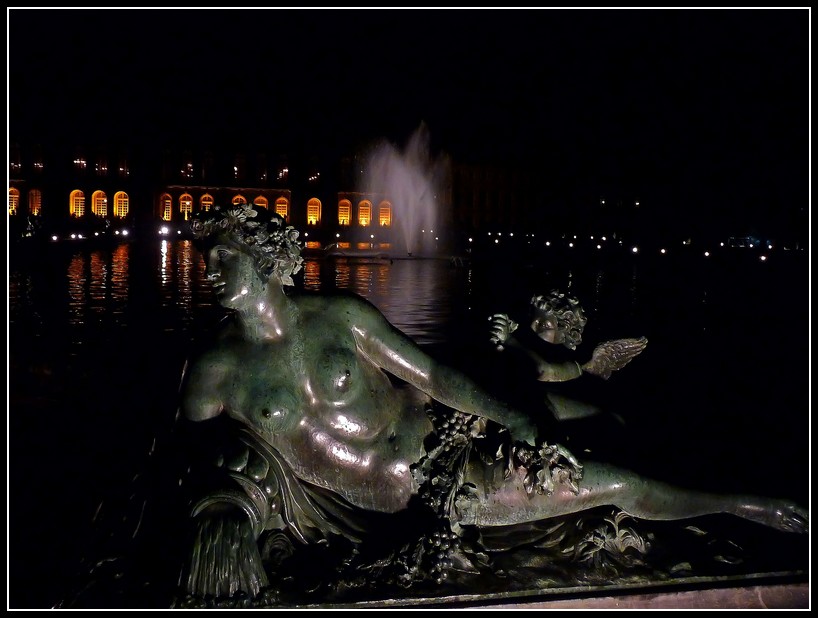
x=274, y=247
x=570, y=317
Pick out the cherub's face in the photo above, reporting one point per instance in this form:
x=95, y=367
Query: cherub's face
x=546, y=326
x=232, y=274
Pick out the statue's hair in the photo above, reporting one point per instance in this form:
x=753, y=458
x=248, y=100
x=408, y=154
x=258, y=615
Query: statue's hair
x=262, y=234
x=566, y=309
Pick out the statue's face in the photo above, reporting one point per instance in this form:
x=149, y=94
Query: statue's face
x=232, y=274
x=546, y=326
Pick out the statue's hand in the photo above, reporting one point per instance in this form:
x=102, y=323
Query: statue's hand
x=610, y=356
x=523, y=429
x=779, y=514
x=501, y=328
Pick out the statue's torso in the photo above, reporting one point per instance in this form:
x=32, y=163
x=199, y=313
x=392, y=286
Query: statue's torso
x=335, y=417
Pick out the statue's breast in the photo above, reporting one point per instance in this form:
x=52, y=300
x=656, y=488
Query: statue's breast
x=336, y=374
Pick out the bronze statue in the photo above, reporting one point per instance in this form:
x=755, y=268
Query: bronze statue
x=558, y=319
x=332, y=422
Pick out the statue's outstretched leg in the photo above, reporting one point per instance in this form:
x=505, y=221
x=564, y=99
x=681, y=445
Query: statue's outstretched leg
x=494, y=500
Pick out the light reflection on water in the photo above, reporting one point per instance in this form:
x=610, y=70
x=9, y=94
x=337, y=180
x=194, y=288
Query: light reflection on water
x=166, y=283
x=113, y=287
x=96, y=288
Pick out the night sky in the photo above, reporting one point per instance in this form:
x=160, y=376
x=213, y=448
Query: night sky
x=681, y=107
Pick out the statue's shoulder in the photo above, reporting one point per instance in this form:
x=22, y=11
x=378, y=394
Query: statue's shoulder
x=217, y=347
x=339, y=303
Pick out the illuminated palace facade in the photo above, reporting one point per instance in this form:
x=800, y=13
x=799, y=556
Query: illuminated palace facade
x=65, y=188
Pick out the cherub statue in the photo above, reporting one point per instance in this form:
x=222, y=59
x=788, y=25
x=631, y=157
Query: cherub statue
x=327, y=418
x=558, y=319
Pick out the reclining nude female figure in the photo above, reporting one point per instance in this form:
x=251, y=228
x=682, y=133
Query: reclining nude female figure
x=340, y=414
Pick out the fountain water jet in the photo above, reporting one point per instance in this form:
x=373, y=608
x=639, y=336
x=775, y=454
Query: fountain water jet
x=411, y=181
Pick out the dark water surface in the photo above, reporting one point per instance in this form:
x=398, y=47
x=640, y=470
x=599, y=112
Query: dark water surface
x=719, y=400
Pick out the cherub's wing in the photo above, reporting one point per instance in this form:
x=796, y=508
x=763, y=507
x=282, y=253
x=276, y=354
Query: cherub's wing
x=611, y=356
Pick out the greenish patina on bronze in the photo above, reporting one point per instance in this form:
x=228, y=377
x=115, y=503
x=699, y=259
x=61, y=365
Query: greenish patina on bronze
x=343, y=433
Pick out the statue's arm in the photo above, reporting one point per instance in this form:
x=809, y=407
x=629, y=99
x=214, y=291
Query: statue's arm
x=396, y=353
x=199, y=391
x=558, y=372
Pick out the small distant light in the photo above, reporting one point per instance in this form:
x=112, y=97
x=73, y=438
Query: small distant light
x=73, y=235
x=163, y=230
x=499, y=233
x=637, y=203
x=96, y=233
x=116, y=232
x=436, y=238
x=54, y=237
x=80, y=236
x=306, y=234
x=706, y=254
x=496, y=240
x=178, y=231
x=372, y=235
x=547, y=243
x=769, y=246
x=592, y=237
x=489, y=233
x=763, y=258
x=124, y=232
x=470, y=239
x=575, y=236
x=721, y=244
x=635, y=249
x=662, y=251
x=337, y=236
x=570, y=244
x=511, y=233
x=604, y=239
x=599, y=246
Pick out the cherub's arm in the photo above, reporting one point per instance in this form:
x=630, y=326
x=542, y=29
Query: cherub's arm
x=396, y=353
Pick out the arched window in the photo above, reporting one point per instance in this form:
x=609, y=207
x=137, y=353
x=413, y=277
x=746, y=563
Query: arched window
x=206, y=202
x=364, y=213
x=76, y=203
x=239, y=199
x=99, y=203
x=166, y=203
x=186, y=205
x=344, y=212
x=283, y=207
x=261, y=201
x=314, y=211
x=35, y=202
x=14, y=200
x=385, y=214
x=121, y=204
